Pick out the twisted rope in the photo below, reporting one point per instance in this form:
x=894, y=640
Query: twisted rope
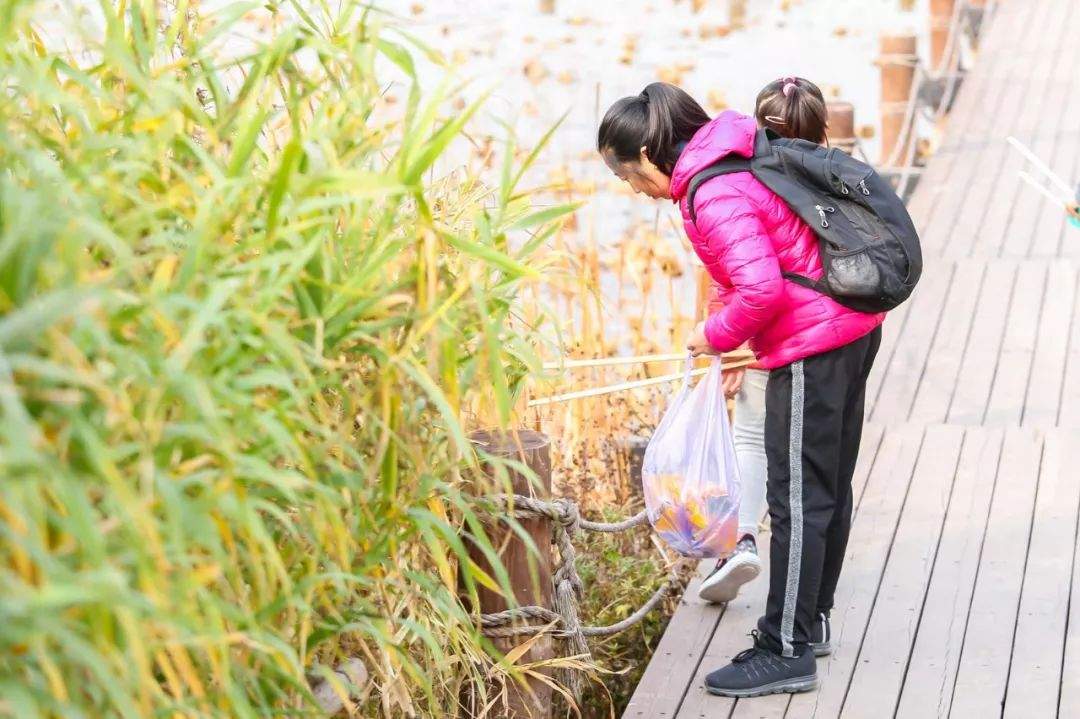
x=563, y=622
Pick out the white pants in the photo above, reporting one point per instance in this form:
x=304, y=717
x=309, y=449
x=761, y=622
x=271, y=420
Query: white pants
x=749, y=434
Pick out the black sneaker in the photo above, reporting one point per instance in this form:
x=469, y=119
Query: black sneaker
x=759, y=670
x=821, y=635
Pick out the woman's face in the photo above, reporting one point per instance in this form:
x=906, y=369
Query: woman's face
x=642, y=176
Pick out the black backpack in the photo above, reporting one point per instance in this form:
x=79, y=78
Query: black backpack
x=870, y=249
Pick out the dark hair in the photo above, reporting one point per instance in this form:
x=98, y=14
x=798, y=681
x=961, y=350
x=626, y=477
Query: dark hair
x=659, y=119
x=793, y=107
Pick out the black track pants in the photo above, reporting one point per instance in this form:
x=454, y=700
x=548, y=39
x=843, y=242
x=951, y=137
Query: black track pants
x=813, y=424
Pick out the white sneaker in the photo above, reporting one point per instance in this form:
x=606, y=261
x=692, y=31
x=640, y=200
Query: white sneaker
x=731, y=573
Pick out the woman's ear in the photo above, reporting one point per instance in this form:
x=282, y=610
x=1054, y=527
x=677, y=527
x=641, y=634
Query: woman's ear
x=646, y=163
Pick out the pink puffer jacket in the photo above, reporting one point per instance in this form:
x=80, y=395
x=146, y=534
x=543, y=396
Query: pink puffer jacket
x=747, y=236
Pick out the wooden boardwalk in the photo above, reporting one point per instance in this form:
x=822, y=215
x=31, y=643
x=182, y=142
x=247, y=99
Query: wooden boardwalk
x=961, y=590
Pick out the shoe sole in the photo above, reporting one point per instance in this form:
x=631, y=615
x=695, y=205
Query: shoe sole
x=724, y=585
x=787, y=686
x=821, y=649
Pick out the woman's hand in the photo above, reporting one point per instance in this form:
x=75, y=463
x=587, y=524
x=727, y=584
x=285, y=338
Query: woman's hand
x=732, y=381
x=697, y=344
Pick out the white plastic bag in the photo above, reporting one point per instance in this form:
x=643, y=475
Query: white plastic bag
x=689, y=472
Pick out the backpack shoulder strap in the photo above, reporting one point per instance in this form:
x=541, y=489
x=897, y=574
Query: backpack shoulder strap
x=726, y=166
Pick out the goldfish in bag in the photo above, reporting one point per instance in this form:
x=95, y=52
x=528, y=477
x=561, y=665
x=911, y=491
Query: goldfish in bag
x=689, y=472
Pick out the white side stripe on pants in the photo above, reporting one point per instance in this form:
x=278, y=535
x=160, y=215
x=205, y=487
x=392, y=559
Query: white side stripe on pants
x=791, y=588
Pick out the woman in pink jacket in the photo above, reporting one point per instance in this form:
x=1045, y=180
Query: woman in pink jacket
x=817, y=351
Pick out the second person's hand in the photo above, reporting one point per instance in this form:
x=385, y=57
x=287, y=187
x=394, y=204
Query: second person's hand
x=732, y=381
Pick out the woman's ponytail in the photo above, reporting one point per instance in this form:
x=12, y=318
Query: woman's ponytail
x=659, y=119
x=793, y=107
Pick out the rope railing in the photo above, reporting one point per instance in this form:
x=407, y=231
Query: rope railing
x=563, y=622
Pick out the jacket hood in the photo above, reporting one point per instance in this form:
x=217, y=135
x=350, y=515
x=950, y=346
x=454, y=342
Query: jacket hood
x=730, y=133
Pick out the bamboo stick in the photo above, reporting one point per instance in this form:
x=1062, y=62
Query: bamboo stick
x=735, y=356
x=634, y=384
x=1041, y=166
x=1043, y=189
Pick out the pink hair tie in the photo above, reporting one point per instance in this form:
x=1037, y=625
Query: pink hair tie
x=790, y=88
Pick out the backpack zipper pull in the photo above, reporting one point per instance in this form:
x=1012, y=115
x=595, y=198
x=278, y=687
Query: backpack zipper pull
x=862, y=186
x=821, y=211
x=843, y=187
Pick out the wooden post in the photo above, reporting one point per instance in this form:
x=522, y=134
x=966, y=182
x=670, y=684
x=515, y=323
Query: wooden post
x=897, y=64
x=841, y=125
x=530, y=574
x=941, y=13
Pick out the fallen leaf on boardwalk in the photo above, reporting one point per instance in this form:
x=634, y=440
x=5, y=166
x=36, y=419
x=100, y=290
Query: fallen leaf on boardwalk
x=535, y=71
x=697, y=5
x=840, y=31
x=867, y=131
x=530, y=109
x=566, y=77
x=569, y=40
x=416, y=8
x=577, y=21
x=785, y=5
x=528, y=39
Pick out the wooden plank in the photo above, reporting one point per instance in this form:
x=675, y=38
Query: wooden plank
x=967, y=404
x=935, y=388
x=1059, y=149
x=984, y=657
x=742, y=614
x=1043, y=397
x=1065, y=160
x=894, y=620
x=872, y=536
x=1069, y=406
x=675, y=661
x=905, y=367
x=1035, y=675
x=1037, y=128
x=927, y=687
x=987, y=207
x=891, y=331
x=971, y=190
x=969, y=106
x=1006, y=402
x=967, y=144
x=1069, y=700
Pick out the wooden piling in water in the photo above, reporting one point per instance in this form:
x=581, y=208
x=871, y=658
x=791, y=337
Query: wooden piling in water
x=841, y=131
x=530, y=573
x=941, y=14
x=897, y=62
